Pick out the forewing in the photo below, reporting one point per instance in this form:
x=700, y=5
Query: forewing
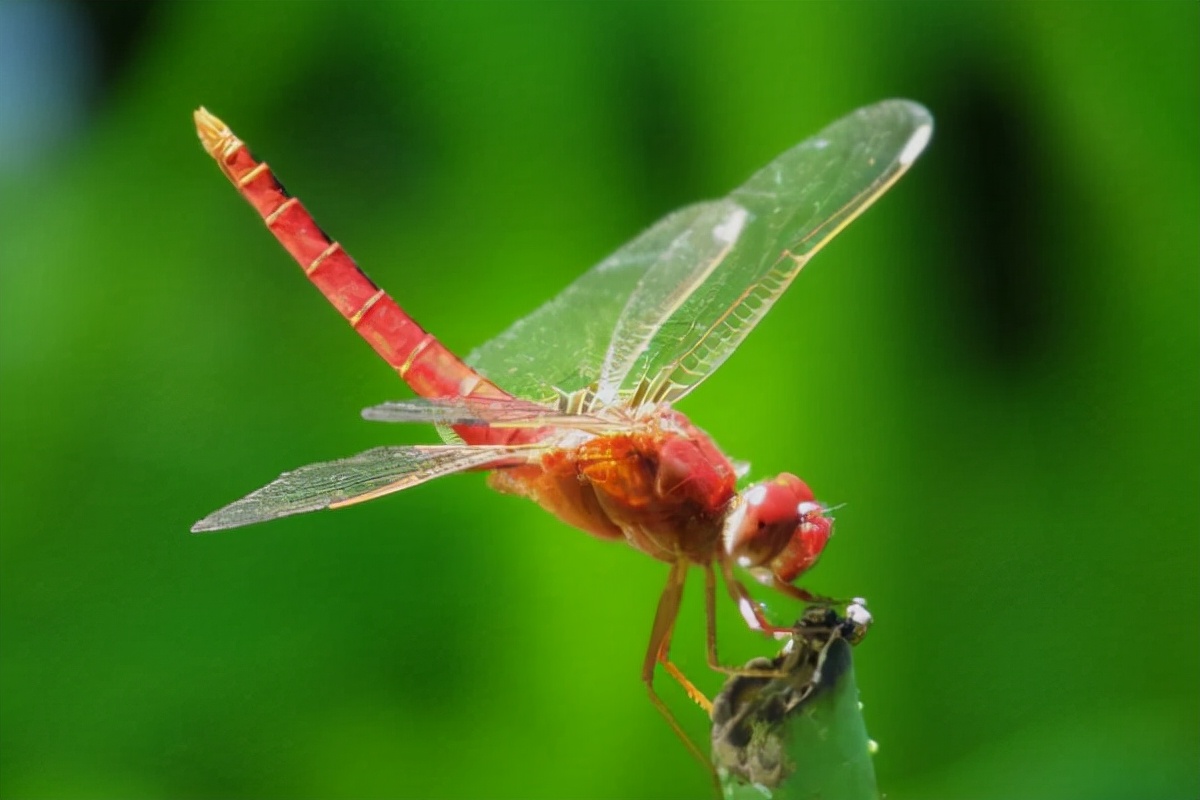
x=458, y=411
x=671, y=305
x=493, y=412
x=796, y=204
x=562, y=346
x=685, y=266
x=367, y=475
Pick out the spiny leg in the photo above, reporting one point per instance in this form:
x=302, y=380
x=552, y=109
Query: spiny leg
x=710, y=613
x=805, y=596
x=658, y=651
x=710, y=618
x=745, y=602
x=698, y=697
x=756, y=618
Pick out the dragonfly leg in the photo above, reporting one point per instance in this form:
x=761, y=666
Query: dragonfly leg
x=710, y=613
x=659, y=653
x=751, y=609
x=805, y=596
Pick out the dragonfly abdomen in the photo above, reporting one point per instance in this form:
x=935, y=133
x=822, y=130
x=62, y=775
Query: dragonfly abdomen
x=423, y=362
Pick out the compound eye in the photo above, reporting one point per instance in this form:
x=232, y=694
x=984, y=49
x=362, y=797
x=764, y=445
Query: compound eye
x=765, y=520
x=806, y=544
x=785, y=499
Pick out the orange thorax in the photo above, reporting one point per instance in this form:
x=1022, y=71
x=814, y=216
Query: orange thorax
x=664, y=487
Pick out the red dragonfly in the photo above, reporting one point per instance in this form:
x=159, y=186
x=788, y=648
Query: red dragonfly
x=572, y=406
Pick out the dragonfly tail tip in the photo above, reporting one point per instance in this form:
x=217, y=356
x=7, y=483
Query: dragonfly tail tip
x=211, y=130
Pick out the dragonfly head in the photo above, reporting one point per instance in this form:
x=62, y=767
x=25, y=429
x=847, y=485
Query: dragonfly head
x=777, y=525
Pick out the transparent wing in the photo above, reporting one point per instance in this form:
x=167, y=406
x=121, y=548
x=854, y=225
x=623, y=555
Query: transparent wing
x=660, y=314
x=666, y=287
x=371, y=474
x=561, y=347
x=796, y=204
x=485, y=411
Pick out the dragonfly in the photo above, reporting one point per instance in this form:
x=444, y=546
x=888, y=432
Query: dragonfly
x=573, y=405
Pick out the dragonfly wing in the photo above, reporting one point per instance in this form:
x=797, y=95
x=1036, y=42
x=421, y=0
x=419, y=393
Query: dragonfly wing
x=796, y=204
x=562, y=347
x=457, y=410
x=673, y=304
x=493, y=412
x=685, y=266
x=367, y=475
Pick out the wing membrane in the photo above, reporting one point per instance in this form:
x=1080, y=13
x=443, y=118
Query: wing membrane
x=668, y=308
x=665, y=288
x=797, y=204
x=562, y=346
x=484, y=411
x=370, y=474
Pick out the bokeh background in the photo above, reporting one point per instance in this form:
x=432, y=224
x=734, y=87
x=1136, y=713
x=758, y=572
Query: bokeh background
x=996, y=370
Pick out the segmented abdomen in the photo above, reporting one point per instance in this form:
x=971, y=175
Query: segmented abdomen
x=418, y=357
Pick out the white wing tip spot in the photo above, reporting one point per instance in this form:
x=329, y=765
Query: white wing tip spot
x=729, y=230
x=916, y=144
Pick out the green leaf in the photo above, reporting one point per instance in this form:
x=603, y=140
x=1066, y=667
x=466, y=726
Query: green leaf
x=799, y=733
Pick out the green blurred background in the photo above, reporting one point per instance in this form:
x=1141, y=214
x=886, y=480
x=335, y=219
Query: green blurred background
x=996, y=370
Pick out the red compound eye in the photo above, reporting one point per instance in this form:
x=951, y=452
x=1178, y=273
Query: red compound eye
x=806, y=544
x=766, y=519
